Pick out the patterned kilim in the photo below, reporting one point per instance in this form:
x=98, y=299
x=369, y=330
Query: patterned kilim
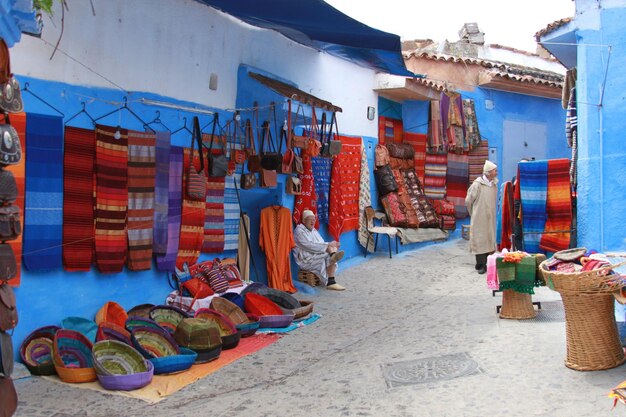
x=214, y=216
x=365, y=200
x=18, y=121
x=111, y=198
x=389, y=130
x=558, y=207
x=344, y=187
x=418, y=141
x=321, y=174
x=472, y=133
x=436, y=142
x=192, y=220
x=161, y=193
x=435, y=176
x=167, y=262
x=78, y=168
x=533, y=179
x=231, y=213
x=43, y=217
x=456, y=182
x=307, y=200
x=141, y=181
x=426, y=215
x=477, y=158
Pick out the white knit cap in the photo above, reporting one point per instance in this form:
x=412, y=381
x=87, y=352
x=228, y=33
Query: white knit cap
x=307, y=213
x=489, y=166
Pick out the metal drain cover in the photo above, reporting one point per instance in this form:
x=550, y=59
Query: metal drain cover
x=551, y=312
x=439, y=368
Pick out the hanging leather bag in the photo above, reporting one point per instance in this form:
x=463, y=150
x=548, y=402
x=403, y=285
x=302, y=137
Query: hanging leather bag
x=8, y=266
x=315, y=146
x=271, y=159
x=293, y=186
x=334, y=145
x=10, y=92
x=300, y=142
x=381, y=155
x=287, y=162
x=248, y=181
x=6, y=354
x=8, y=187
x=10, y=225
x=8, y=405
x=385, y=180
x=269, y=178
x=254, y=160
x=197, y=182
x=218, y=163
x=10, y=146
x=8, y=309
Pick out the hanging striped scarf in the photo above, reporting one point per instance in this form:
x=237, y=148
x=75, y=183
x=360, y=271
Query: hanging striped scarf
x=471, y=124
x=231, y=213
x=533, y=180
x=167, y=261
x=43, y=218
x=456, y=182
x=321, y=175
x=344, y=187
x=435, y=129
x=506, y=216
x=111, y=199
x=161, y=193
x=477, y=158
x=18, y=121
x=558, y=207
x=418, y=142
x=214, y=216
x=389, y=130
x=141, y=177
x=308, y=199
x=365, y=200
x=435, y=176
x=78, y=168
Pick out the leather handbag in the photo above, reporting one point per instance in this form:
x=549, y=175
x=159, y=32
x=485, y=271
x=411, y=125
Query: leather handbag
x=248, y=181
x=287, y=162
x=254, y=160
x=10, y=92
x=218, y=163
x=297, y=166
x=332, y=146
x=197, y=182
x=381, y=155
x=385, y=180
x=271, y=159
x=301, y=142
x=10, y=146
x=6, y=354
x=293, y=186
x=10, y=225
x=8, y=405
x=8, y=309
x=269, y=178
x=8, y=266
x=8, y=187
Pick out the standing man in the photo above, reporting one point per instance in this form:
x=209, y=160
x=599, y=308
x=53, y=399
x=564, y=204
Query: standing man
x=481, y=203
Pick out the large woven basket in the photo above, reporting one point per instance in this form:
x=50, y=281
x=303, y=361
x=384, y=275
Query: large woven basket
x=200, y=335
x=261, y=306
x=167, y=317
x=141, y=310
x=517, y=306
x=229, y=309
x=134, y=322
x=228, y=332
x=154, y=343
x=250, y=327
x=36, y=351
x=111, y=331
x=72, y=356
x=175, y=363
x=112, y=357
x=583, y=282
x=113, y=313
x=80, y=324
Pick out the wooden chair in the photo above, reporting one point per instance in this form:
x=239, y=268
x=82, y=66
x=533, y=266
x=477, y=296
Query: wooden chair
x=373, y=230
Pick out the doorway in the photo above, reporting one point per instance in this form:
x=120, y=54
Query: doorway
x=521, y=140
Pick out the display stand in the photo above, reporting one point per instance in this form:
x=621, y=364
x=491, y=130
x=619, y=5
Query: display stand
x=516, y=305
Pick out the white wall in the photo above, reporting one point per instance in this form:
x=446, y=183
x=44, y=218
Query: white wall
x=170, y=47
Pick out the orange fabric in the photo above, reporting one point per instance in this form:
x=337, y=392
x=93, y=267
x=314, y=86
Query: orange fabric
x=276, y=240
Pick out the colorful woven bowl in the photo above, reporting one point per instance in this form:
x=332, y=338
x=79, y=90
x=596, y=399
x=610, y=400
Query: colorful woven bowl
x=274, y=322
x=134, y=322
x=306, y=308
x=141, y=310
x=260, y=305
x=72, y=357
x=175, y=363
x=250, y=327
x=153, y=343
x=111, y=357
x=36, y=351
x=233, y=297
x=112, y=312
x=253, y=287
x=167, y=317
x=127, y=382
x=228, y=332
x=229, y=309
x=281, y=298
x=111, y=331
x=80, y=324
x=200, y=335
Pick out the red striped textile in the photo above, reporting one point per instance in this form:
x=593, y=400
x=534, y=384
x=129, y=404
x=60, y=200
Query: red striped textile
x=477, y=158
x=344, y=187
x=192, y=220
x=141, y=180
x=507, y=217
x=558, y=207
x=418, y=141
x=78, y=202
x=214, y=216
x=389, y=130
x=307, y=200
x=18, y=121
x=111, y=199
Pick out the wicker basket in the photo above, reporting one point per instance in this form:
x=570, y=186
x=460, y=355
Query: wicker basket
x=583, y=282
x=308, y=278
x=516, y=305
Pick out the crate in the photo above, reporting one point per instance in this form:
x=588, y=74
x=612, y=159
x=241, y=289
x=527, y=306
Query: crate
x=465, y=231
x=308, y=278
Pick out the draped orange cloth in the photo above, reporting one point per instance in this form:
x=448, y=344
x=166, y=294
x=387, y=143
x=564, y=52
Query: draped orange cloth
x=276, y=240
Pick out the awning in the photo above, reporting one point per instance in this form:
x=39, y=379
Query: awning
x=316, y=24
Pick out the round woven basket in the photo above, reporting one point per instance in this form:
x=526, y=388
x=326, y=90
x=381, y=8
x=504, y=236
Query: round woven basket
x=154, y=343
x=112, y=357
x=167, y=317
x=111, y=331
x=517, y=306
x=72, y=356
x=141, y=310
x=583, y=282
x=112, y=312
x=250, y=327
x=36, y=351
x=228, y=332
x=229, y=309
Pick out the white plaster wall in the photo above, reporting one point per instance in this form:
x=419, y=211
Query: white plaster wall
x=170, y=47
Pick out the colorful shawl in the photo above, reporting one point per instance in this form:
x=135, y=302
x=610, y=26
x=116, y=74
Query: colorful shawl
x=365, y=200
x=477, y=157
x=418, y=141
x=389, y=130
x=111, y=199
x=141, y=180
x=231, y=213
x=453, y=121
x=558, y=207
x=472, y=134
x=161, y=193
x=321, y=175
x=78, y=168
x=192, y=220
x=456, y=182
x=533, y=180
x=18, y=121
x=506, y=222
x=436, y=143
x=308, y=199
x=43, y=218
x=167, y=261
x=214, y=216
x=435, y=176
x=519, y=277
x=344, y=187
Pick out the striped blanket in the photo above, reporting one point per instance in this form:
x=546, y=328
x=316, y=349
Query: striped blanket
x=161, y=193
x=43, y=218
x=558, y=207
x=141, y=180
x=435, y=176
x=167, y=261
x=477, y=158
x=344, y=187
x=389, y=130
x=418, y=141
x=214, y=216
x=78, y=168
x=111, y=199
x=456, y=182
x=307, y=200
x=533, y=188
x=231, y=213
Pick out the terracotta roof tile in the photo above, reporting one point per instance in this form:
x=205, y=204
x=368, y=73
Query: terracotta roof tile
x=552, y=26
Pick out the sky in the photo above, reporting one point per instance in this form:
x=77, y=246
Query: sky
x=504, y=22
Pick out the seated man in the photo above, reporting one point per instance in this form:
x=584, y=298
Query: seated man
x=313, y=254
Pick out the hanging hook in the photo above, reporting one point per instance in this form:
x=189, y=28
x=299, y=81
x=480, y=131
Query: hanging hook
x=27, y=89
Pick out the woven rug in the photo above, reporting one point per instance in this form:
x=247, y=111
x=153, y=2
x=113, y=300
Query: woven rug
x=435, y=176
x=418, y=141
x=365, y=200
x=307, y=200
x=344, y=187
x=472, y=133
x=436, y=142
x=164, y=385
x=167, y=261
x=389, y=130
x=111, y=199
x=421, y=235
x=231, y=213
x=161, y=193
x=214, y=216
x=558, y=207
x=43, y=217
x=321, y=175
x=18, y=121
x=533, y=180
x=78, y=169
x=456, y=182
x=141, y=182
x=477, y=158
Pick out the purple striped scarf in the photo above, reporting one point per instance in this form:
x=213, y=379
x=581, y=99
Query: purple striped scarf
x=167, y=262
x=161, y=193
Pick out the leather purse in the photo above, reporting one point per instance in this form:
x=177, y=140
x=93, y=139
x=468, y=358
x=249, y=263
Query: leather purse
x=10, y=92
x=10, y=146
x=300, y=142
x=197, y=182
x=293, y=186
x=8, y=405
x=381, y=155
x=8, y=309
x=10, y=224
x=6, y=354
x=269, y=178
x=297, y=166
x=254, y=160
x=385, y=180
x=218, y=163
x=332, y=147
x=8, y=266
x=270, y=159
x=8, y=187
x=248, y=181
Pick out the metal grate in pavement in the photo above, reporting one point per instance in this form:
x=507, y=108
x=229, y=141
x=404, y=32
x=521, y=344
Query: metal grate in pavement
x=434, y=369
x=551, y=312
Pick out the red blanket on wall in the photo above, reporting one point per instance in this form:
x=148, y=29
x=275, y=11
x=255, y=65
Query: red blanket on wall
x=344, y=187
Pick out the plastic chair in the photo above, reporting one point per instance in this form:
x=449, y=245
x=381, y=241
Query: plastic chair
x=373, y=230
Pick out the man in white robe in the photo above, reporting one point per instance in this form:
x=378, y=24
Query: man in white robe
x=313, y=254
